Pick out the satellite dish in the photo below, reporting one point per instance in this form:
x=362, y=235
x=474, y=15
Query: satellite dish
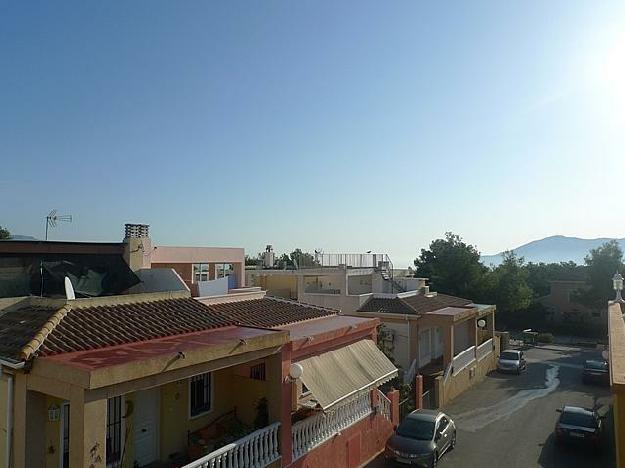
x=481, y=323
x=69, y=289
x=295, y=371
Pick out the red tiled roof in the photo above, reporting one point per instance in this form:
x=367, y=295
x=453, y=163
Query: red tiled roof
x=270, y=312
x=17, y=327
x=413, y=305
x=83, y=327
x=109, y=325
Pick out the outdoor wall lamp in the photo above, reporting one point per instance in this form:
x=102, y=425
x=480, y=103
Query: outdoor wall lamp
x=617, y=281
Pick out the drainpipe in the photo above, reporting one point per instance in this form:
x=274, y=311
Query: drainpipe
x=9, y=420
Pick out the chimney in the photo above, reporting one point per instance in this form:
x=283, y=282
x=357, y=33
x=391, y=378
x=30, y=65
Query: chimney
x=138, y=246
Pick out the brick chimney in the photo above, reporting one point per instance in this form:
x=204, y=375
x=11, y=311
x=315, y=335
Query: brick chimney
x=138, y=246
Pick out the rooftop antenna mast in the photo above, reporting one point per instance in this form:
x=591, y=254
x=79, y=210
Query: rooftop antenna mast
x=54, y=218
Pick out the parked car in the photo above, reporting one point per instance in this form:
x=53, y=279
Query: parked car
x=421, y=439
x=596, y=371
x=577, y=425
x=511, y=360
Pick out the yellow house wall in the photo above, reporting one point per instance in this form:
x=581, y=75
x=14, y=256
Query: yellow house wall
x=53, y=435
x=175, y=421
x=281, y=286
x=3, y=417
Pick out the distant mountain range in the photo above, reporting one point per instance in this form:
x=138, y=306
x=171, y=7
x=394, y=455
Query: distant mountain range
x=20, y=237
x=554, y=249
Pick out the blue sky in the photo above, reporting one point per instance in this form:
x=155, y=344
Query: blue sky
x=349, y=126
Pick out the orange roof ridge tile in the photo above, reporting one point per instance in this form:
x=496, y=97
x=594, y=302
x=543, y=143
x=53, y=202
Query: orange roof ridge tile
x=35, y=343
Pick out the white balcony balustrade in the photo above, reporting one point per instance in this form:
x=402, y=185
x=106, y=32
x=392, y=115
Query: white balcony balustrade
x=314, y=431
x=484, y=349
x=463, y=360
x=255, y=450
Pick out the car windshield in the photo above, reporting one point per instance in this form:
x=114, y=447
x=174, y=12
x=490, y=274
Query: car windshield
x=416, y=429
x=578, y=419
x=596, y=365
x=509, y=355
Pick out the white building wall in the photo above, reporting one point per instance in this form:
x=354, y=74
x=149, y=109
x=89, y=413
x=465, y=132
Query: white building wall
x=401, y=343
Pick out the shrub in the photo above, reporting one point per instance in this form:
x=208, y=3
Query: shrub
x=545, y=338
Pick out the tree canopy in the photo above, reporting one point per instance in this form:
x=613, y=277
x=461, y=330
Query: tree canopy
x=4, y=233
x=452, y=266
x=601, y=264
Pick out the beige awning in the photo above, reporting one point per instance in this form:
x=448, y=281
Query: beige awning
x=336, y=375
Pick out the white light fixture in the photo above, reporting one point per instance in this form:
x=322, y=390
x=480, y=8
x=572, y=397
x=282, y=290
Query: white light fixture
x=54, y=413
x=481, y=323
x=617, y=282
x=295, y=371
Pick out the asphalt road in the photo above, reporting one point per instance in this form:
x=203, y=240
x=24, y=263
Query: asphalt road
x=508, y=420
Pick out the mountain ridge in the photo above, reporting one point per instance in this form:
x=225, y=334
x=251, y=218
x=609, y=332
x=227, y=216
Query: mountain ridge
x=554, y=249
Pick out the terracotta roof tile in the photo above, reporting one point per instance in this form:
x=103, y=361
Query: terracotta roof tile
x=413, y=305
x=110, y=325
x=270, y=312
x=92, y=327
x=17, y=328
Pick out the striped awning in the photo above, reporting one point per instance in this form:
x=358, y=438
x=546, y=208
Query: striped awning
x=337, y=375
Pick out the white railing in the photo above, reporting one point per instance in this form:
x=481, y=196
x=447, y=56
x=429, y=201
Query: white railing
x=447, y=373
x=385, y=405
x=255, y=450
x=463, y=359
x=314, y=431
x=484, y=349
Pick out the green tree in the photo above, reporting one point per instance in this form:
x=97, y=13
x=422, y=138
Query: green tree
x=252, y=261
x=541, y=274
x=601, y=264
x=452, y=266
x=300, y=258
x=511, y=292
x=4, y=233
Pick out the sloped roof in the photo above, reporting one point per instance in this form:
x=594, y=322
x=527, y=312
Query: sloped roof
x=413, y=305
x=17, y=327
x=270, y=312
x=31, y=331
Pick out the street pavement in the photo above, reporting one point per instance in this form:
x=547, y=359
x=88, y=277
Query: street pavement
x=508, y=420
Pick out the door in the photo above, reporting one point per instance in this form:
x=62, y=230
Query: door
x=146, y=419
x=444, y=435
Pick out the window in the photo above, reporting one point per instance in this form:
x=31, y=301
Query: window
x=114, y=430
x=442, y=425
x=65, y=436
x=305, y=390
x=200, y=272
x=257, y=372
x=200, y=394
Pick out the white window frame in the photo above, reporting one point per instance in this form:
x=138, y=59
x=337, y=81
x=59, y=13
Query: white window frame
x=211, y=395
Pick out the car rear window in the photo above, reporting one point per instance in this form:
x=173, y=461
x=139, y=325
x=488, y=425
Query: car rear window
x=578, y=419
x=509, y=355
x=596, y=365
x=416, y=429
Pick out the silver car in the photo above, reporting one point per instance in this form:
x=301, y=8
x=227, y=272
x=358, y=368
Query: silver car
x=511, y=360
x=421, y=439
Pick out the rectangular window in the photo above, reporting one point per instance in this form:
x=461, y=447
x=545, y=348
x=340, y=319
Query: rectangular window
x=65, y=436
x=114, y=430
x=200, y=394
x=257, y=372
x=200, y=272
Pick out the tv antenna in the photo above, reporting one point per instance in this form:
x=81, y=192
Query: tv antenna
x=54, y=218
